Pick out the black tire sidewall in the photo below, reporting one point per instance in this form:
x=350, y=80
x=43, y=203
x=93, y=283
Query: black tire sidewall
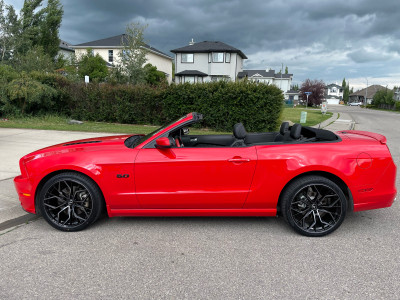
x=86, y=182
x=298, y=184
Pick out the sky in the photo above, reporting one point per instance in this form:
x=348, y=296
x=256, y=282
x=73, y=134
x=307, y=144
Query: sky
x=327, y=40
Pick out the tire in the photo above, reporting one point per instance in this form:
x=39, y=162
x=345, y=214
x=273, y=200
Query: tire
x=70, y=201
x=314, y=205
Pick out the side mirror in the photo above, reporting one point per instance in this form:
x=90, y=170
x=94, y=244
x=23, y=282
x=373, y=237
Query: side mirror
x=163, y=143
x=185, y=130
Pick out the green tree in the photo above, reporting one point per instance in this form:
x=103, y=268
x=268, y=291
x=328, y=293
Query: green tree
x=24, y=93
x=92, y=65
x=8, y=30
x=49, y=27
x=286, y=70
x=35, y=26
x=33, y=60
x=383, y=98
x=153, y=76
x=29, y=26
x=346, y=90
x=133, y=55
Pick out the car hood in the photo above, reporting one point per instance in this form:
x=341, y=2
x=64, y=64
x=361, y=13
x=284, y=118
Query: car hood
x=91, y=144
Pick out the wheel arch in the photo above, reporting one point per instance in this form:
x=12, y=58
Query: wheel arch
x=54, y=173
x=336, y=179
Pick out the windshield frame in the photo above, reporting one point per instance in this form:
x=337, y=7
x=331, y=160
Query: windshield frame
x=157, y=131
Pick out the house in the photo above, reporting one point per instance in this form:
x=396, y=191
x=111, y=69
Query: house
x=207, y=61
x=367, y=93
x=292, y=97
x=65, y=50
x=333, y=93
x=110, y=48
x=283, y=81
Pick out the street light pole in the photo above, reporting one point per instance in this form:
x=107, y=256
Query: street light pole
x=366, y=93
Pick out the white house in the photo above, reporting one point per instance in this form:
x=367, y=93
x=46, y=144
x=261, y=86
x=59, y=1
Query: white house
x=207, y=61
x=110, y=48
x=65, y=50
x=333, y=93
x=282, y=81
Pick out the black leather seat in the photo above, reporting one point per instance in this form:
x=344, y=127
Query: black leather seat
x=283, y=131
x=240, y=134
x=295, y=132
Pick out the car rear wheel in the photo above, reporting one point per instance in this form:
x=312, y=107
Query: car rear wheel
x=314, y=205
x=70, y=201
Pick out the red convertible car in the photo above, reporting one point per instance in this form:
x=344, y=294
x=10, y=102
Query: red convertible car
x=310, y=176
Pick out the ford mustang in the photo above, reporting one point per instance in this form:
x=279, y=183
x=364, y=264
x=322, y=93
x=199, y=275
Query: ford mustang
x=310, y=176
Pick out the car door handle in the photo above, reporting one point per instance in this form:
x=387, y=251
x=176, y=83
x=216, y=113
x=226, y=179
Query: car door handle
x=239, y=160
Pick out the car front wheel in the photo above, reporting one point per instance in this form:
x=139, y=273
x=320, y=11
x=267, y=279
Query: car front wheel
x=314, y=205
x=70, y=201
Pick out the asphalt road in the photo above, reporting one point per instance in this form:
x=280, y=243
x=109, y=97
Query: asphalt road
x=211, y=258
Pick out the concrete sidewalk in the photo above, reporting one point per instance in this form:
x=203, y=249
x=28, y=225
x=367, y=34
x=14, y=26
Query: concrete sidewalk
x=338, y=122
x=15, y=143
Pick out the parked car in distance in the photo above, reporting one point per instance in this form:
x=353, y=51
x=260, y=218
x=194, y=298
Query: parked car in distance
x=355, y=103
x=310, y=176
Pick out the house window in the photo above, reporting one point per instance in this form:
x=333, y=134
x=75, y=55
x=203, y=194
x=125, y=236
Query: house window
x=110, y=56
x=187, y=57
x=220, y=78
x=227, y=57
x=218, y=57
x=189, y=79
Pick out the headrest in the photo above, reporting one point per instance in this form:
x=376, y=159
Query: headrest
x=239, y=131
x=284, y=128
x=295, y=131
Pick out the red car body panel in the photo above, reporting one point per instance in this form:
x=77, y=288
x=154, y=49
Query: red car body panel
x=225, y=181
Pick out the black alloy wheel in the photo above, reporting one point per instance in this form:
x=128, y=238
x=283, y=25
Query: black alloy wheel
x=314, y=206
x=70, y=201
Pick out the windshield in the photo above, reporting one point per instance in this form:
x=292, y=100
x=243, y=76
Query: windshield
x=147, y=136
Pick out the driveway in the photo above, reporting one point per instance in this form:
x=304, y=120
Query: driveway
x=205, y=258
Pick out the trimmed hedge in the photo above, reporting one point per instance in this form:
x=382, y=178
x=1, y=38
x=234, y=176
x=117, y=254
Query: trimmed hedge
x=257, y=106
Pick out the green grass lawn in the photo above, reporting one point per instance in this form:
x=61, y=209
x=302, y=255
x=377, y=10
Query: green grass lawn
x=314, y=116
x=51, y=122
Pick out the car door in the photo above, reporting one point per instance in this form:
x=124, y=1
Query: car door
x=194, y=178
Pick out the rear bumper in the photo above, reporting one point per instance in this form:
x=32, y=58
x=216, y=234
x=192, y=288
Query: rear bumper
x=25, y=193
x=380, y=195
x=377, y=201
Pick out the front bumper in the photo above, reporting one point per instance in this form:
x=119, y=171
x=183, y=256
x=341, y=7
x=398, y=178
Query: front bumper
x=25, y=193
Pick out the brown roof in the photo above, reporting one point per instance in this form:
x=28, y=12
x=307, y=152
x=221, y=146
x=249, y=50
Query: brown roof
x=371, y=91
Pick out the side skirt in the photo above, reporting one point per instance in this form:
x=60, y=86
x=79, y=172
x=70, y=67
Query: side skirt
x=191, y=212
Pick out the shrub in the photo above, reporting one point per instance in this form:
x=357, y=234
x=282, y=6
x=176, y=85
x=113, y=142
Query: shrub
x=257, y=106
x=7, y=73
x=26, y=95
x=223, y=104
